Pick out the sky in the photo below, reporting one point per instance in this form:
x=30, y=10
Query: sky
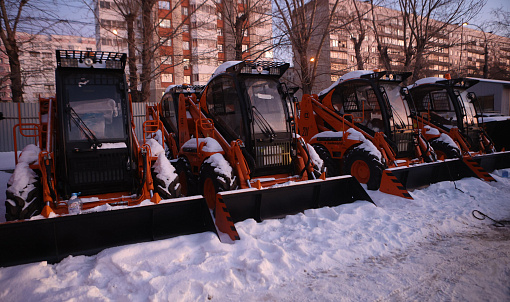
x=82, y=18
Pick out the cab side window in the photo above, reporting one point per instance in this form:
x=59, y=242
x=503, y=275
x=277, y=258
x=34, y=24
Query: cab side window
x=169, y=109
x=223, y=104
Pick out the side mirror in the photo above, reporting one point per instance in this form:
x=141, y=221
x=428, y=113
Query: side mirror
x=404, y=91
x=293, y=90
x=471, y=97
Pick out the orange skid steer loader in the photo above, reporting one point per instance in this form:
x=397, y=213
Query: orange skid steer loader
x=357, y=130
x=238, y=147
x=448, y=117
x=85, y=143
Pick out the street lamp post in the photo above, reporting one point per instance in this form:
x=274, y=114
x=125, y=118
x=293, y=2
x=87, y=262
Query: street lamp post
x=116, y=33
x=485, y=51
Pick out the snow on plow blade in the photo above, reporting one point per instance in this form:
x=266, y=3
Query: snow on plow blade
x=53, y=239
x=494, y=161
x=277, y=202
x=422, y=175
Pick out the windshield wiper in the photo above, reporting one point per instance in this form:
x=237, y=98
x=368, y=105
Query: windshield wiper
x=263, y=124
x=83, y=128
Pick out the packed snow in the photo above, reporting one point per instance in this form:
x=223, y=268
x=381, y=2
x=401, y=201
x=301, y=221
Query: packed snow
x=210, y=144
x=427, y=249
x=356, y=74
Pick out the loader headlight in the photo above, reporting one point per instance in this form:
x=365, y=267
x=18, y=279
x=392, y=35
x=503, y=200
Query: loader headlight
x=88, y=62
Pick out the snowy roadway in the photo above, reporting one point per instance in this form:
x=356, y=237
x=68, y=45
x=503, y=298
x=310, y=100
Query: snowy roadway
x=427, y=249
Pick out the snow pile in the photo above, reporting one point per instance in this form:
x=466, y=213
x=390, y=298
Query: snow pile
x=112, y=146
x=156, y=148
x=316, y=159
x=431, y=130
x=23, y=178
x=429, y=80
x=356, y=74
x=164, y=170
x=30, y=154
x=162, y=167
x=221, y=166
x=366, y=145
x=447, y=139
x=328, y=134
x=211, y=145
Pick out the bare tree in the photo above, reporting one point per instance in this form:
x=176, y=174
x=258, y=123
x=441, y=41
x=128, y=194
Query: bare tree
x=358, y=30
x=306, y=25
x=129, y=10
x=240, y=21
x=382, y=49
x=427, y=21
x=10, y=14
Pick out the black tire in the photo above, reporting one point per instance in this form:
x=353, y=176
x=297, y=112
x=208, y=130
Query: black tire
x=210, y=179
x=443, y=148
x=371, y=166
x=188, y=181
x=17, y=208
x=332, y=166
x=173, y=189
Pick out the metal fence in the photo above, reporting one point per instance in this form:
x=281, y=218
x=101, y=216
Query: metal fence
x=30, y=114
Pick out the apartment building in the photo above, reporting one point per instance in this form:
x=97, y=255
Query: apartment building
x=459, y=49
x=191, y=37
x=38, y=63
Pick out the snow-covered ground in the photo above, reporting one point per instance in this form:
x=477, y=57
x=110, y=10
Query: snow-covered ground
x=427, y=249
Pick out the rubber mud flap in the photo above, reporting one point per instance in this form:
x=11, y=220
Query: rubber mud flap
x=422, y=175
x=292, y=198
x=55, y=238
x=494, y=161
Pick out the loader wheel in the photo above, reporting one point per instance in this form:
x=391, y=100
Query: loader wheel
x=331, y=165
x=186, y=178
x=212, y=182
x=17, y=208
x=365, y=167
x=444, y=150
x=173, y=189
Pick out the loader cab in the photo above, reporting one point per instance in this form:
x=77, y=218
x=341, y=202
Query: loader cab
x=445, y=102
x=366, y=95
x=94, y=154
x=170, y=103
x=247, y=102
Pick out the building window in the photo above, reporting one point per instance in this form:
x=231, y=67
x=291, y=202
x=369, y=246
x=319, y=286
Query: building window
x=219, y=31
x=104, y=4
x=165, y=23
x=185, y=45
x=165, y=41
x=334, y=43
x=164, y=5
x=195, y=77
x=185, y=64
x=167, y=77
x=244, y=47
x=166, y=60
x=187, y=80
x=184, y=10
x=220, y=47
x=185, y=28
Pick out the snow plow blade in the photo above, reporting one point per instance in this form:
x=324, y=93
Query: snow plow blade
x=422, y=175
x=277, y=202
x=494, y=161
x=53, y=239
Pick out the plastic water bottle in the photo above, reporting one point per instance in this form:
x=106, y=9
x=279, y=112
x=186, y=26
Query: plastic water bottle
x=74, y=204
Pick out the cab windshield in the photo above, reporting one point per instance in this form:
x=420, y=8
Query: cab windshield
x=268, y=108
x=100, y=110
